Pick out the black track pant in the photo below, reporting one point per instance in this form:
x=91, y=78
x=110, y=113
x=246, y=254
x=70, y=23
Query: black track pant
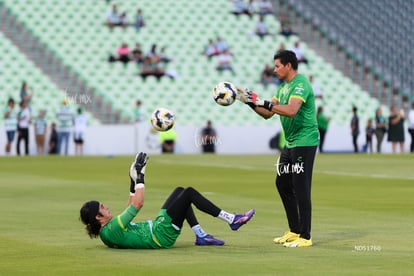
x=23, y=134
x=293, y=182
x=179, y=208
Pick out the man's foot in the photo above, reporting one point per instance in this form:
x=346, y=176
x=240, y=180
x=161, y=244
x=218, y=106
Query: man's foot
x=299, y=242
x=287, y=237
x=241, y=219
x=208, y=240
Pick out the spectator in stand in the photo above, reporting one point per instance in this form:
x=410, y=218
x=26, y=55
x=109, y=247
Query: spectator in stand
x=268, y=76
x=316, y=89
x=40, y=127
x=150, y=69
x=380, y=128
x=137, y=54
x=369, y=132
x=287, y=30
x=281, y=48
x=265, y=7
x=124, y=53
x=25, y=95
x=80, y=125
x=64, y=126
x=112, y=17
x=53, y=139
x=163, y=57
x=10, y=123
x=154, y=64
x=323, y=122
x=261, y=28
x=240, y=7
x=153, y=54
x=221, y=45
x=123, y=20
x=210, y=49
x=224, y=62
x=396, y=129
x=208, y=138
x=139, y=21
x=411, y=126
x=23, y=123
x=300, y=55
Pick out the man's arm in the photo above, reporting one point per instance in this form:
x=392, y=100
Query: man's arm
x=288, y=110
x=137, y=185
x=266, y=114
x=267, y=109
x=137, y=199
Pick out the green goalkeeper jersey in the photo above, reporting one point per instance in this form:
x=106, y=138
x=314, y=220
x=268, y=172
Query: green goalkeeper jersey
x=121, y=232
x=302, y=129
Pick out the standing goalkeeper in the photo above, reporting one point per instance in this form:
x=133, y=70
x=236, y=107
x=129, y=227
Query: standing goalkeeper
x=295, y=103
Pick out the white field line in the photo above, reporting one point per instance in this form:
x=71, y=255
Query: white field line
x=373, y=175
x=267, y=168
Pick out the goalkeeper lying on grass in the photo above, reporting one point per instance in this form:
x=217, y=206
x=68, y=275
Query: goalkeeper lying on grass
x=163, y=231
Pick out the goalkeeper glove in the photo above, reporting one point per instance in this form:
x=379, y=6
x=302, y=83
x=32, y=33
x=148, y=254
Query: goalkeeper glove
x=243, y=96
x=137, y=170
x=253, y=98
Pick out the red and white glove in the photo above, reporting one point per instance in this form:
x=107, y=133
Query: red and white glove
x=251, y=99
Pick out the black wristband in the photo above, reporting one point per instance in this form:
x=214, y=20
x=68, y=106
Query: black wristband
x=268, y=105
x=251, y=105
x=140, y=178
x=132, y=187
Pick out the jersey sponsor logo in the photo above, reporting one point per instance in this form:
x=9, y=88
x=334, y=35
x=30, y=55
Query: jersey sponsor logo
x=299, y=89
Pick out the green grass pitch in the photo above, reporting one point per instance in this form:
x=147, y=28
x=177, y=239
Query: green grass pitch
x=363, y=216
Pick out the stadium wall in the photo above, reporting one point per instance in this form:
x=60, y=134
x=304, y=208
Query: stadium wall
x=113, y=140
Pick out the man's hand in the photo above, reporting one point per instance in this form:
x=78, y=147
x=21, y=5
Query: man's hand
x=137, y=170
x=253, y=98
x=243, y=96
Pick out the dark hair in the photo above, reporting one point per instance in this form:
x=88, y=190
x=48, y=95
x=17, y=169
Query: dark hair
x=88, y=214
x=286, y=57
x=11, y=100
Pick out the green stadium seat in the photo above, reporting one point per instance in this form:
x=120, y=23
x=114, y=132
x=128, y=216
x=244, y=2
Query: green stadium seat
x=184, y=31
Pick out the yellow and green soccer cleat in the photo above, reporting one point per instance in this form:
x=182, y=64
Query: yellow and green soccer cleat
x=299, y=242
x=287, y=237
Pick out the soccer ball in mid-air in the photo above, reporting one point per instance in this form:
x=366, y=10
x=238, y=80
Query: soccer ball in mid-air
x=224, y=93
x=162, y=119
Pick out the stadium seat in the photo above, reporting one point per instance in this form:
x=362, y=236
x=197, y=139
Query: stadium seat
x=83, y=43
